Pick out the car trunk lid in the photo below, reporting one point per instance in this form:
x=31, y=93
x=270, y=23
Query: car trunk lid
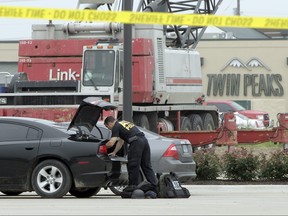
x=89, y=112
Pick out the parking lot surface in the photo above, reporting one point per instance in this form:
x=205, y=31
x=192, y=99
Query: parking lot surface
x=204, y=200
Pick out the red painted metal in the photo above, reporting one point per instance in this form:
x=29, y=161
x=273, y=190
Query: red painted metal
x=53, y=114
x=142, y=82
x=225, y=135
x=142, y=46
x=255, y=136
x=52, y=59
x=196, y=138
x=53, y=48
x=52, y=68
x=228, y=134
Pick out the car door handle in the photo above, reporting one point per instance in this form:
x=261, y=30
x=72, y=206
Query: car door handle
x=29, y=148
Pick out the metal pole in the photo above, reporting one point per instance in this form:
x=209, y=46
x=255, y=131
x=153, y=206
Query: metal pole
x=238, y=7
x=127, y=80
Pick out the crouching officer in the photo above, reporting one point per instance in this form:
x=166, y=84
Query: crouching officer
x=138, y=153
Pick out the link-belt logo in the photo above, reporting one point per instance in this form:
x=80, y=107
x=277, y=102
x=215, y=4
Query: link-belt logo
x=63, y=75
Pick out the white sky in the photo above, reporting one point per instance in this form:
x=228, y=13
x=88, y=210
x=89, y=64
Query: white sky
x=14, y=29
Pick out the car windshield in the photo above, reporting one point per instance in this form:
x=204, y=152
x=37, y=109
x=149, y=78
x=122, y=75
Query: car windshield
x=98, y=68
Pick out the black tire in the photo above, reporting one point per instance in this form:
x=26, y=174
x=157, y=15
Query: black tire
x=142, y=121
x=12, y=193
x=153, y=121
x=185, y=124
x=17, y=76
x=84, y=192
x=196, y=122
x=51, y=179
x=208, y=122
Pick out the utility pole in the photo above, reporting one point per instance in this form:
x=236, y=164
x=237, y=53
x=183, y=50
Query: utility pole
x=127, y=80
x=237, y=10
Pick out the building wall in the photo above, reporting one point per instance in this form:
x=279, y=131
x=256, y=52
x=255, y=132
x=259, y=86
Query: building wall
x=8, y=60
x=255, y=71
x=8, y=51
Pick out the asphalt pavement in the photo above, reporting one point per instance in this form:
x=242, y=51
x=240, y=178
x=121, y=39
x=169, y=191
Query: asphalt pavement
x=204, y=200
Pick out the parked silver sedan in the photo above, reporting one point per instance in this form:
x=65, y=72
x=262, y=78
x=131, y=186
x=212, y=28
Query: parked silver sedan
x=167, y=154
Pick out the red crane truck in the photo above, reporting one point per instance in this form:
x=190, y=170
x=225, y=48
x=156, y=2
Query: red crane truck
x=64, y=63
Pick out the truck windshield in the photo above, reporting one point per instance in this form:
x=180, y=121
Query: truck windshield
x=98, y=68
x=237, y=106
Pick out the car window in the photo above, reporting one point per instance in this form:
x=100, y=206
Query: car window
x=33, y=134
x=106, y=133
x=149, y=134
x=13, y=132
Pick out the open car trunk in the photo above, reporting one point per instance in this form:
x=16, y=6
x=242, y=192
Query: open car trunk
x=87, y=116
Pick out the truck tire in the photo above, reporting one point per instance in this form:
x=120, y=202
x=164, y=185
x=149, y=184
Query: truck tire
x=153, y=121
x=142, y=121
x=185, y=124
x=208, y=122
x=208, y=125
x=196, y=122
x=165, y=125
x=17, y=76
x=44, y=179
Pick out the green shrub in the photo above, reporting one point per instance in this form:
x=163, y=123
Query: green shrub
x=274, y=167
x=240, y=165
x=208, y=166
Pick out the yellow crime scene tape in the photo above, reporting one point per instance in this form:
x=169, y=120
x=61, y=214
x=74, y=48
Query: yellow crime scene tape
x=143, y=18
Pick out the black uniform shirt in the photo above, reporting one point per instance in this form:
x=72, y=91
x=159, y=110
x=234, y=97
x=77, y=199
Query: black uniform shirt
x=124, y=130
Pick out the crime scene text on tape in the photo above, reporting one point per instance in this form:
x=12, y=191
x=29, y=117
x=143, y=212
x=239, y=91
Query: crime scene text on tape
x=143, y=17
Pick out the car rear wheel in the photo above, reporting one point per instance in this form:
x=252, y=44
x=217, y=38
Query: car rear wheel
x=51, y=179
x=84, y=192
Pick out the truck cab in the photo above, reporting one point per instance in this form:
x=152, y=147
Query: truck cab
x=101, y=63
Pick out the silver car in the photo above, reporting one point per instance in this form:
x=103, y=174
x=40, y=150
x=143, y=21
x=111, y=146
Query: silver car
x=167, y=154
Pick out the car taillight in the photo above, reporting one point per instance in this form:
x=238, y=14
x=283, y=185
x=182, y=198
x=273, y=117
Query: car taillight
x=102, y=149
x=171, y=152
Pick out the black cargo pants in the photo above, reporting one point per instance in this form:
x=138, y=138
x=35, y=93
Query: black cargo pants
x=139, y=156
